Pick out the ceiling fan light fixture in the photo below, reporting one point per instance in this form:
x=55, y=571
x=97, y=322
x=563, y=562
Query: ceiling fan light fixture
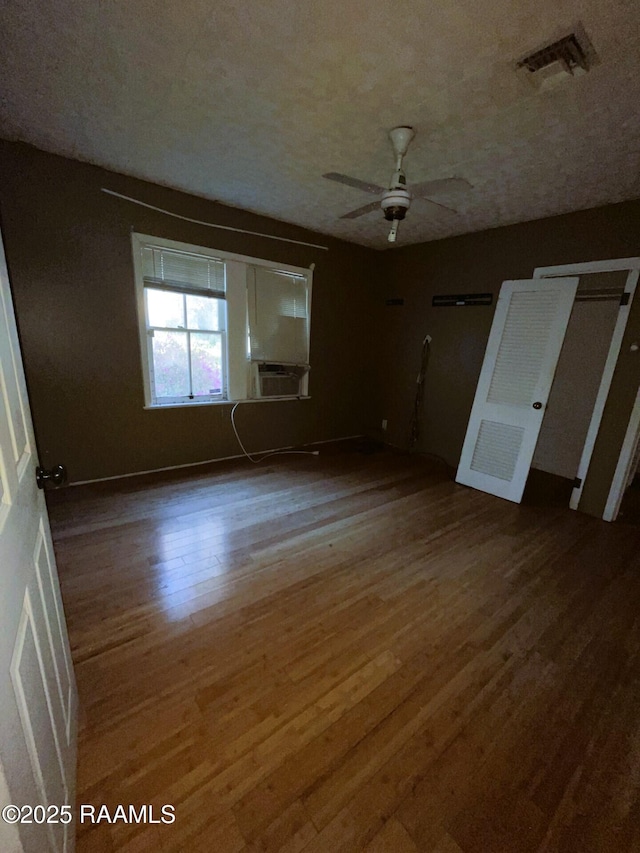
x=395, y=204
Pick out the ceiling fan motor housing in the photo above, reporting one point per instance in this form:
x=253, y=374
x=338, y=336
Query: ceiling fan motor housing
x=395, y=203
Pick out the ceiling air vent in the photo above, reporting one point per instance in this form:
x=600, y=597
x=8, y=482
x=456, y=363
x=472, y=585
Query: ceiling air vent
x=558, y=61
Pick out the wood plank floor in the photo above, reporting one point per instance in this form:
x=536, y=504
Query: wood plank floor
x=351, y=653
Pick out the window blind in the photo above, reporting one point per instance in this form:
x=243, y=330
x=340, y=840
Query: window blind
x=183, y=272
x=279, y=317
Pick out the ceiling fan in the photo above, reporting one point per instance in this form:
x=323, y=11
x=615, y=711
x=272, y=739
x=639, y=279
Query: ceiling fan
x=397, y=199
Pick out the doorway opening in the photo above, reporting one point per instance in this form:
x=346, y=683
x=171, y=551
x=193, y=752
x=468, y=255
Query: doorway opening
x=546, y=376
x=624, y=496
x=589, y=355
x=578, y=375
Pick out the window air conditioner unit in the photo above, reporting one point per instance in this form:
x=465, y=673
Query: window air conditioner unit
x=279, y=380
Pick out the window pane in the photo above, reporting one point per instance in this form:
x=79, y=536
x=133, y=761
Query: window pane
x=203, y=312
x=171, y=364
x=165, y=309
x=206, y=363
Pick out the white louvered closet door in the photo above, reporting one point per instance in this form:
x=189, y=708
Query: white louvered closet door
x=520, y=360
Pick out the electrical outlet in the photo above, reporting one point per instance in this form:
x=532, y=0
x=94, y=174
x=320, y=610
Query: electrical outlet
x=384, y=423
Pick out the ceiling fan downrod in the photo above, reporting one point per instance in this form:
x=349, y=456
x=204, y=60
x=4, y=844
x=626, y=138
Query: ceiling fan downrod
x=400, y=139
x=397, y=199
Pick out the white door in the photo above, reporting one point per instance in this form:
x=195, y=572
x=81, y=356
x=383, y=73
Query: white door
x=38, y=700
x=524, y=345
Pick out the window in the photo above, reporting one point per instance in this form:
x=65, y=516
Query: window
x=217, y=327
x=185, y=312
x=279, y=317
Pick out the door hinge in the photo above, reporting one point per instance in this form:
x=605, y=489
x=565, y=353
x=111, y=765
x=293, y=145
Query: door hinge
x=624, y=299
x=577, y=483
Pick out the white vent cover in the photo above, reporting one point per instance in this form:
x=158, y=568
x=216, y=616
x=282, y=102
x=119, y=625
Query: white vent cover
x=561, y=60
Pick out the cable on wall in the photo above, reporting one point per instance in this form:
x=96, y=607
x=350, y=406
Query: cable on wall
x=262, y=456
x=211, y=224
x=414, y=433
x=417, y=405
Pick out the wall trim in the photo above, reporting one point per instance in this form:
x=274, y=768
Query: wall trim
x=612, y=265
x=211, y=224
x=211, y=461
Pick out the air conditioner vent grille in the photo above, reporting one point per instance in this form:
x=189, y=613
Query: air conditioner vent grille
x=279, y=380
x=568, y=51
x=279, y=385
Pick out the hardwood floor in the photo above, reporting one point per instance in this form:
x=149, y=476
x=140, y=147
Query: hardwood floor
x=351, y=653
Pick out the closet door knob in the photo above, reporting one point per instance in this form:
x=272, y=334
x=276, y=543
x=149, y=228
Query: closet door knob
x=56, y=475
x=537, y=405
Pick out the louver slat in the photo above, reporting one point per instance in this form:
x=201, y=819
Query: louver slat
x=522, y=348
x=497, y=448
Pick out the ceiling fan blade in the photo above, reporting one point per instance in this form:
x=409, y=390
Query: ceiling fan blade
x=436, y=203
x=443, y=185
x=354, y=214
x=354, y=182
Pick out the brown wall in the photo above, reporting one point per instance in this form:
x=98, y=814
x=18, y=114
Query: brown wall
x=69, y=252
x=479, y=263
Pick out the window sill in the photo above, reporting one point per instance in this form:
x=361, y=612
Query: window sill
x=160, y=406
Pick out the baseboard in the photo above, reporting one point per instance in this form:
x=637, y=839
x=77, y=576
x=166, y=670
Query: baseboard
x=211, y=461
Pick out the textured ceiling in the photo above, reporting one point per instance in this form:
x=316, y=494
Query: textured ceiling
x=251, y=101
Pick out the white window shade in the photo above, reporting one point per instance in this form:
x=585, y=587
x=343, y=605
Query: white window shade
x=278, y=317
x=183, y=271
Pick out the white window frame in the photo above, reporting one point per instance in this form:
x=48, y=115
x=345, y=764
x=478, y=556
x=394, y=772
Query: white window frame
x=236, y=362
